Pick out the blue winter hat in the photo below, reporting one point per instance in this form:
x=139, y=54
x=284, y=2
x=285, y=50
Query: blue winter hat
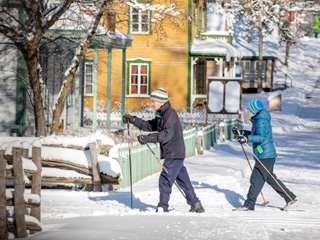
x=255, y=106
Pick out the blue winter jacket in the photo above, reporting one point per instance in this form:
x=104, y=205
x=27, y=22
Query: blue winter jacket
x=261, y=135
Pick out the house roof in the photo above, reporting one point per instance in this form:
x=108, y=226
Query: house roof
x=74, y=23
x=212, y=47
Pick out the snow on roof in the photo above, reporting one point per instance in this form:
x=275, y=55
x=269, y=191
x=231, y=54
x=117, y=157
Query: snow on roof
x=213, y=46
x=75, y=19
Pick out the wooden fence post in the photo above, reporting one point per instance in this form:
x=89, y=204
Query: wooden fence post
x=3, y=198
x=19, y=187
x=95, y=167
x=25, y=149
x=36, y=179
x=221, y=127
x=199, y=145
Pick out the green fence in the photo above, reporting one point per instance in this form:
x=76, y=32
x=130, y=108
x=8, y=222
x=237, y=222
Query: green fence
x=143, y=162
x=209, y=136
x=228, y=125
x=190, y=139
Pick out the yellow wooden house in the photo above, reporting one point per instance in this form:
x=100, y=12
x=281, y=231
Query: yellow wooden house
x=153, y=60
x=159, y=57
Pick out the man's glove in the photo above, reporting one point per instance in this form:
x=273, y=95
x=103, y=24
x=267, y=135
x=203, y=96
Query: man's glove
x=128, y=119
x=242, y=139
x=151, y=138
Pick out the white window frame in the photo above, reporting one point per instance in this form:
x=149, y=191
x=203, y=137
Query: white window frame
x=85, y=79
x=139, y=22
x=138, y=94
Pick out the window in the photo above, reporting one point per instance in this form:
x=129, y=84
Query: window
x=139, y=21
x=251, y=70
x=139, y=78
x=88, y=79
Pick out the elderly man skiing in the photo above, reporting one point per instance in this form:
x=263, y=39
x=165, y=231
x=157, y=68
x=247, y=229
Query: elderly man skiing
x=167, y=130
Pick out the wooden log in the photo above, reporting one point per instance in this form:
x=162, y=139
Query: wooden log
x=95, y=167
x=3, y=207
x=61, y=163
x=36, y=181
x=66, y=180
x=30, y=225
x=10, y=174
x=19, y=193
x=10, y=202
x=98, y=146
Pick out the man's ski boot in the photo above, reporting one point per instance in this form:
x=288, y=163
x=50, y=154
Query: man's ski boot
x=197, y=208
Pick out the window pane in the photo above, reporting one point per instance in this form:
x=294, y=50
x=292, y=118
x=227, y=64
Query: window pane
x=89, y=89
x=89, y=68
x=143, y=90
x=135, y=18
x=134, y=69
x=135, y=27
x=144, y=69
x=88, y=79
x=144, y=80
x=134, y=10
x=144, y=27
x=134, y=89
x=145, y=17
x=134, y=79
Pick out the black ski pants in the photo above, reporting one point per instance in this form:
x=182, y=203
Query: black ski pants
x=179, y=173
x=258, y=177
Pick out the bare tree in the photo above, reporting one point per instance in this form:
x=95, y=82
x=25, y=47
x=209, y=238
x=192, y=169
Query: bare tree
x=261, y=14
x=26, y=35
x=27, y=32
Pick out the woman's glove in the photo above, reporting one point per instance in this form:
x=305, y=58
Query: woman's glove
x=242, y=139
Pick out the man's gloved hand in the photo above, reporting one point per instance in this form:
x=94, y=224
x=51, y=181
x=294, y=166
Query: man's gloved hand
x=128, y=118
x=151, y=138
x=242, y=139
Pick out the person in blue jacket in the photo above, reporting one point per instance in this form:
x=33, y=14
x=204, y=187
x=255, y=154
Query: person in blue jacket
x=262, y=143
x=167, y=130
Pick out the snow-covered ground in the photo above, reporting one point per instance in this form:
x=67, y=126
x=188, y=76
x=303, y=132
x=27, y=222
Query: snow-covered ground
x=221, y=181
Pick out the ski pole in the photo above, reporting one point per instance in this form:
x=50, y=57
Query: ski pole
x=130, y=163
x=268, y=172
x=168, y=173
x=265, y=202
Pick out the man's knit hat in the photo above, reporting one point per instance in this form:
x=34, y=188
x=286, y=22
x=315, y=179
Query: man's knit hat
x=255, y=106
x=159, y=95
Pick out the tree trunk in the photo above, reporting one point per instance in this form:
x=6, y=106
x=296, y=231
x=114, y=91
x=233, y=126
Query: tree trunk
x=33, y=74
x=286, y=62
x=60, y=103
x=260, y=56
